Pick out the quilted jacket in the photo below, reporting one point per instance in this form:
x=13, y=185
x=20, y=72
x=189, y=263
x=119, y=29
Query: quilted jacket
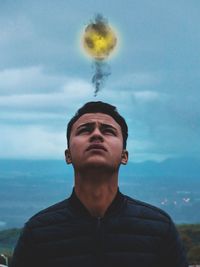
x=131, y=234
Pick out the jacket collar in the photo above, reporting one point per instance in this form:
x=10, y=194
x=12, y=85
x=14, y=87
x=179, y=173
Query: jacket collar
x=80, y=209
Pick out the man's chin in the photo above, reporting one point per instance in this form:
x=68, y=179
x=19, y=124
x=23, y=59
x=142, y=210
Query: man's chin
x=97, y=165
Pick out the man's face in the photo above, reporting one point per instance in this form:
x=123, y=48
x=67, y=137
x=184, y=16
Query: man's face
x=96, y=141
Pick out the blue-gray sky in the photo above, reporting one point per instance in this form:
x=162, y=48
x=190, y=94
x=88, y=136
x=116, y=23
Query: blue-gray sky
x=45, y=76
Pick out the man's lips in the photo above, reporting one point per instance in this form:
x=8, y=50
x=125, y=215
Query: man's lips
x=96, y=146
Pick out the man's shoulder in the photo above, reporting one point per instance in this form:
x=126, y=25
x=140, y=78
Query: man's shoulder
x=145, y=211
x=50, y=215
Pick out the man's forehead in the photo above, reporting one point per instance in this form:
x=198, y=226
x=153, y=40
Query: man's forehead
x=96, y=117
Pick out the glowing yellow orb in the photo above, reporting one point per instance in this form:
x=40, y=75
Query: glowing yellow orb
x=99, y=40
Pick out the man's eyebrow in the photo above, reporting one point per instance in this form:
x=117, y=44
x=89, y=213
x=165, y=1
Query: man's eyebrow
x=90, y=124
x=87, y=124
x=104, y=125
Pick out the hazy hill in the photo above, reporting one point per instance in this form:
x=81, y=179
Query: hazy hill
x=171, y=167
x=180, y=167
x=27, y=186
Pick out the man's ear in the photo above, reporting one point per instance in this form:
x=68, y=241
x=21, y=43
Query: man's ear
x=124, y=158
x=68, y=158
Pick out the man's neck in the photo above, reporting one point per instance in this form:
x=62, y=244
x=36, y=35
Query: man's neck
x=96, y=194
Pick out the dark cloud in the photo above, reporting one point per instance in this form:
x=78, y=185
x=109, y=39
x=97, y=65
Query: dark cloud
x=160, y=41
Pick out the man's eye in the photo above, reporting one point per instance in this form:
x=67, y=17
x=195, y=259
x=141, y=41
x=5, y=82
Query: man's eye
x=83, y=130
x=109, y=131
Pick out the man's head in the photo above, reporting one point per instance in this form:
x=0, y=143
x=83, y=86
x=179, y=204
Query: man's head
x=99, y=107
x=96, y=138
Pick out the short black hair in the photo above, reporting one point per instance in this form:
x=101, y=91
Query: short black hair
x=101, y=107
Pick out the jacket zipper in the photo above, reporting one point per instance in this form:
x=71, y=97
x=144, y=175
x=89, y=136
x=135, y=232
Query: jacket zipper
x=99, y=242
x=98, y=223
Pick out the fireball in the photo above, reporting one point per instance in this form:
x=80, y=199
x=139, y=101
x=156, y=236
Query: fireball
x=99, y=40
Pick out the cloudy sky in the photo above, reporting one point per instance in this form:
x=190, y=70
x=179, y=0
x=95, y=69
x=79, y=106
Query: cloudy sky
x=45, y=76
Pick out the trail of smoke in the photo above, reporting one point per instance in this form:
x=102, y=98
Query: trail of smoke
x=102, y=70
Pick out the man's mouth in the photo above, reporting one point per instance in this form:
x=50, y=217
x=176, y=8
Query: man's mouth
x=96, y=146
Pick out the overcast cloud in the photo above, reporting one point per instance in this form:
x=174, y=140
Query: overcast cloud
x=45, y=76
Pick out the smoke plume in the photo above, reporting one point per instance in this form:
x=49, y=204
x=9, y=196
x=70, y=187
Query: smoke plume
x=101, y=72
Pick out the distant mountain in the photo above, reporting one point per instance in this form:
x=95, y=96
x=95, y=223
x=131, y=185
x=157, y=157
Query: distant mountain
x=170, y=167
x=173, y=167
x=27, y=186
x=34, y=166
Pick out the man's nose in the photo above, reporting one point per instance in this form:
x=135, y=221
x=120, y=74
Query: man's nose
x=96, y=135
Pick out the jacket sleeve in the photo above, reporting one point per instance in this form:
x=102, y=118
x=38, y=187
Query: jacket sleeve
x=173, y=252
x=23, y=255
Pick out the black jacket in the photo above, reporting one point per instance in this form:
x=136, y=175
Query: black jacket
x=131, y=234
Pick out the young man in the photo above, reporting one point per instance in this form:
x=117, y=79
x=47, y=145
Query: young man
x=98, y=225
